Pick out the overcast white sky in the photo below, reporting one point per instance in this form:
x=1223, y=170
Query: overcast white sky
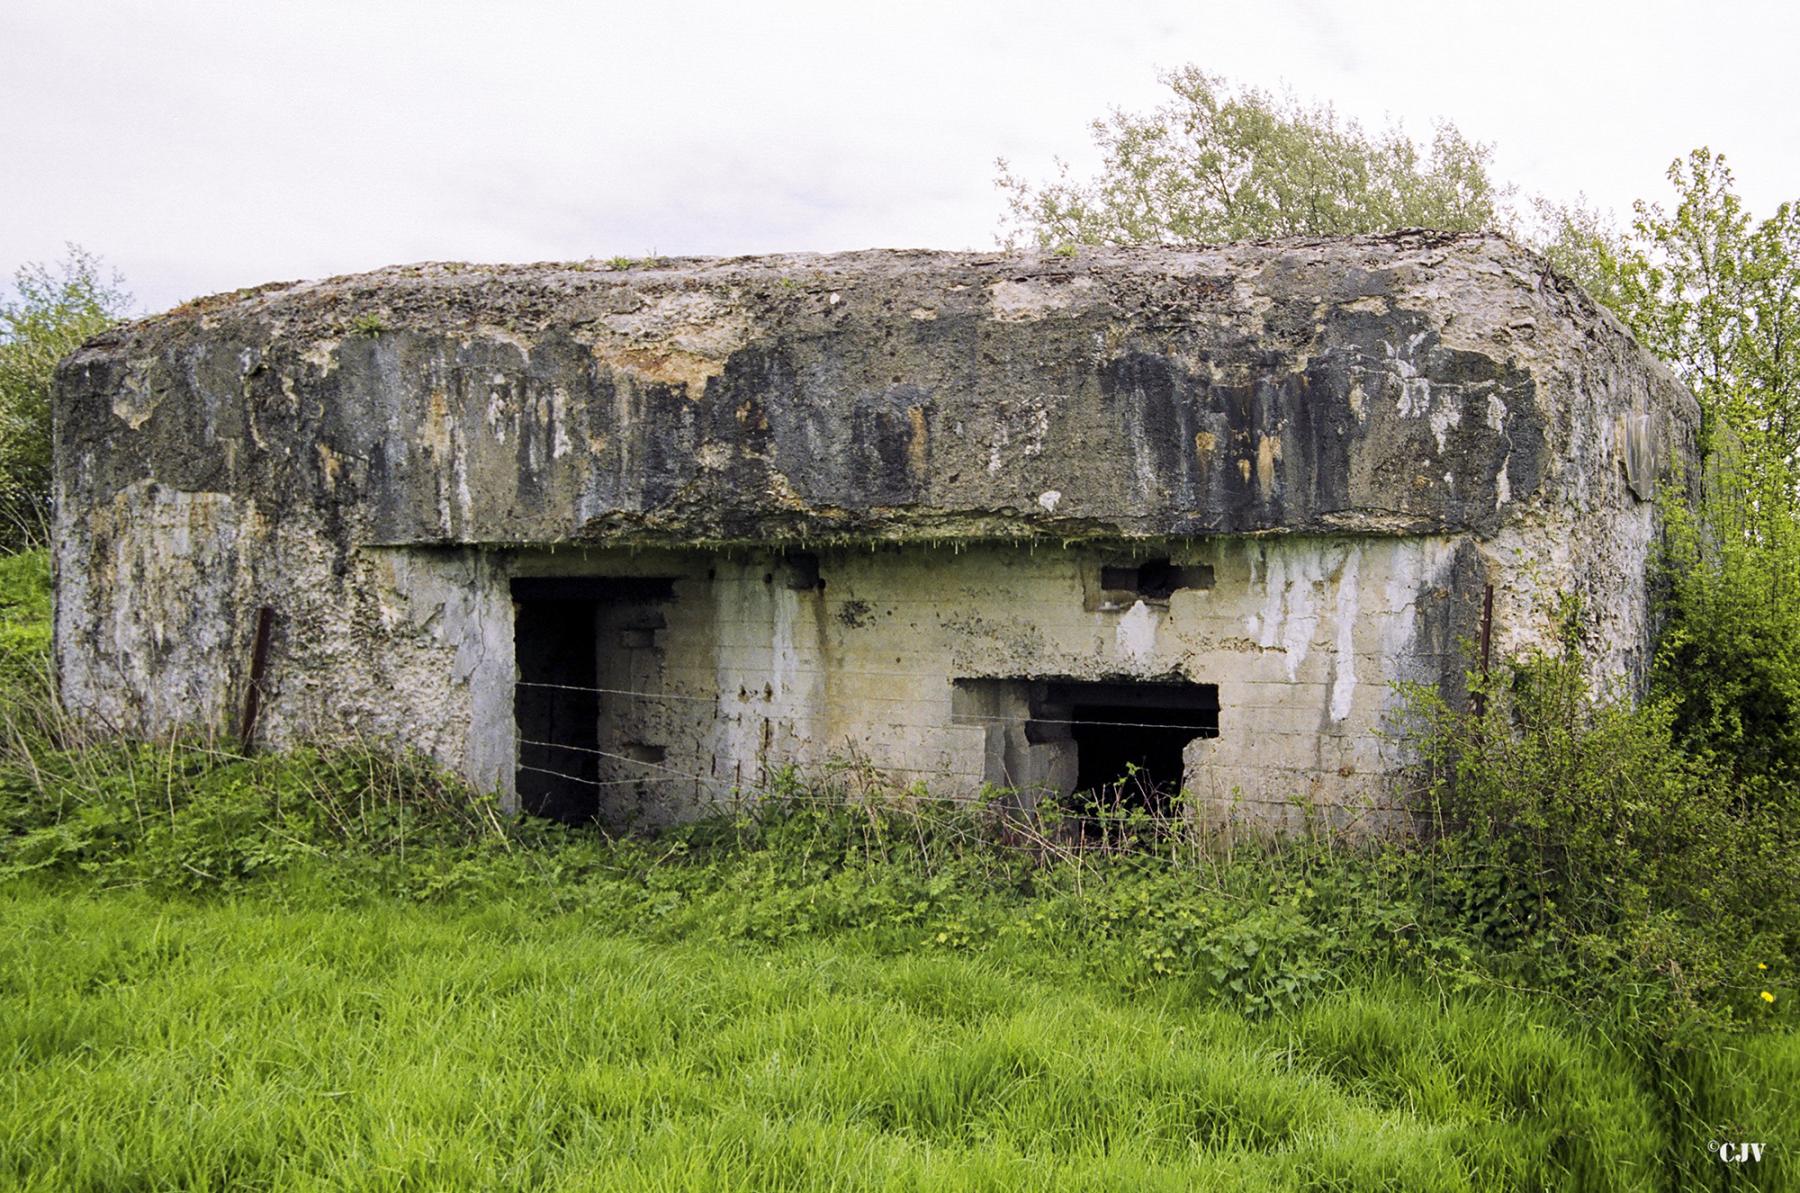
x=205, y=146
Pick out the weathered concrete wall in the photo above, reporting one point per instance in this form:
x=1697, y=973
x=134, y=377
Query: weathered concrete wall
x=1357, y=434
x=1304, y=638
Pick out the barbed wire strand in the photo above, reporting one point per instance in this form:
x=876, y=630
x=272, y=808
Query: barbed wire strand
x=969, y=720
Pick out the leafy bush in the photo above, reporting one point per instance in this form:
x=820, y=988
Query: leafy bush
x=24, y=622
x=1586, y=798
x=1586, y=849
x=1728, y=663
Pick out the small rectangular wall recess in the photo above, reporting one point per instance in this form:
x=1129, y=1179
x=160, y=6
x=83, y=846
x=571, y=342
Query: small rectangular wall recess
x=1154, y=579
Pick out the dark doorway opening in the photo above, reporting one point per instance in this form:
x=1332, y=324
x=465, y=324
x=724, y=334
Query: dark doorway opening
x=585, y=648
x=1129, y=738
x=555, y=708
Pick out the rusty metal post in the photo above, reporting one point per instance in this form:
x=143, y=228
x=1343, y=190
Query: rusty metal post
x=1487, y=646
x=259, y=664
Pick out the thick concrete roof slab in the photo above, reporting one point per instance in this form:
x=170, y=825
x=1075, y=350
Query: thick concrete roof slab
x=1415, y=383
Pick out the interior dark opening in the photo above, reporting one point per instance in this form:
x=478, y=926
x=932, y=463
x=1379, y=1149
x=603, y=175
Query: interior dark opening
x=558, y=722
x=1129, y=738
x=556, y=708
x=801, y=571
x=1156, y=579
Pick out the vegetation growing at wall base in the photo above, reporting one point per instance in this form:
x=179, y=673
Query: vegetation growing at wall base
x=907, y=988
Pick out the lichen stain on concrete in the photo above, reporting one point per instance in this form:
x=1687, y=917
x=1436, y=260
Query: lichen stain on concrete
x=1292, y=575
x=1136, y=635
x=438, y=432
x=133, y=407
x=1496, y=413
x=678, y=368
x=1415, y=388
x=1023, y=301
x=1343, y=659
x=330, y=465
x=1444, y=416
x=1268, y=453
x=918, y=443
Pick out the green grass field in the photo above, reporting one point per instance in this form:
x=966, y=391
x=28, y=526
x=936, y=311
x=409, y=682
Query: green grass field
x=157, y=1043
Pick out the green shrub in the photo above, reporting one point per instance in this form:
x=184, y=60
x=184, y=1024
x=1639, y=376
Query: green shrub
x=1585, y=848
x=24, y=622
x=1583, y=796
x=1728, y=660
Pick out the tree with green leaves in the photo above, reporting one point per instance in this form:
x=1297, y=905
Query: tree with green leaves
x=1220, y=163
x=1582, y=243
x=53, y=311
x=1717, y=295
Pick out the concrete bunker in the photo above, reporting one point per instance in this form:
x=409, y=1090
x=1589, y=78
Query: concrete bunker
x=628, y=543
